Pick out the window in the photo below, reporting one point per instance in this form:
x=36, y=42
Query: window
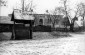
x=41, y=21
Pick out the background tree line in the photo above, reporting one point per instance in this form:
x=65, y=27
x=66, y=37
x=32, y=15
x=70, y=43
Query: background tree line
x=66, y=11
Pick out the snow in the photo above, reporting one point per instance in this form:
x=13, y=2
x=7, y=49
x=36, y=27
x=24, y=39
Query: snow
x=54, y=46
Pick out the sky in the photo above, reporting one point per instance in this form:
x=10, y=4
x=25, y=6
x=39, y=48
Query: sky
x=40, y=5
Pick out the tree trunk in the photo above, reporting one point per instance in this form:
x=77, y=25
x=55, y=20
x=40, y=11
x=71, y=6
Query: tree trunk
x=53, y=25
x=83, y=21
x=72, y=27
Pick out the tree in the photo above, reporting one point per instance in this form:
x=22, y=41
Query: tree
x=59, y=10
x=52, y=18
x=67, y=12
x=62, y=11
x=81, y=10
x=3, y=3
x=30, y=6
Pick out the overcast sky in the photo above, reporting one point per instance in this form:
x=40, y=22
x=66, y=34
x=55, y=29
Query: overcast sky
x=40, y=5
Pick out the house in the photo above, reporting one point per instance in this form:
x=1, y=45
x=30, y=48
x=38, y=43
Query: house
x=46, y=19
x=5, y=23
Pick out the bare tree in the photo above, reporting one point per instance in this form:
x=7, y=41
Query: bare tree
x=65, y=6
x=59, y=10
x=67, y=11
x=30, y=7
x=80, y=11
x=52, y=18
x=3, y=3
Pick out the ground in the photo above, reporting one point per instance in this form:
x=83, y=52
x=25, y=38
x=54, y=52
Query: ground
x=45, y=43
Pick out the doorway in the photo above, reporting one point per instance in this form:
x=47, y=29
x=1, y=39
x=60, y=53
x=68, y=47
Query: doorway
x=41, y=22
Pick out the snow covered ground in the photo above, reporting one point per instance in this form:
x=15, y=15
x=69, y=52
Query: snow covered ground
x=74, y=45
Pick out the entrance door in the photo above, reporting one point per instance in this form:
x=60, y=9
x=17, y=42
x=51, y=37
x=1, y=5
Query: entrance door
x=41, y=21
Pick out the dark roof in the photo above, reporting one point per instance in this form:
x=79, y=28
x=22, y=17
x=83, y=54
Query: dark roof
x=5, y=20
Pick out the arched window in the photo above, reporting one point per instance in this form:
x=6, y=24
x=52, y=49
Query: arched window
x=41, y=21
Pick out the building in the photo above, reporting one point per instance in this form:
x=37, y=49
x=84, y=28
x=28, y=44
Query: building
x=5, y=20
x=46, y=19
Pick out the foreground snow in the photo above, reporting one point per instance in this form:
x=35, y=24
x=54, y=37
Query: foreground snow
x=62, y=46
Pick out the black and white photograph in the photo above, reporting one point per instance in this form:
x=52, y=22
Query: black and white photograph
x=42, y=27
